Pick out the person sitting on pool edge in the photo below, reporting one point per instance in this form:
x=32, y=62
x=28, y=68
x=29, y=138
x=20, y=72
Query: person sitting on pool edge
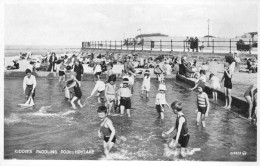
x=203, y=106
x=29, y=84
x=124, y=97
x=160, y=101
x=100, y=87
x=106, y=129
x=77, y=91
x=181, y=139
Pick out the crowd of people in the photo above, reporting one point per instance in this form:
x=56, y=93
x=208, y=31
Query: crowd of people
x=194, y=44
x=117, y=100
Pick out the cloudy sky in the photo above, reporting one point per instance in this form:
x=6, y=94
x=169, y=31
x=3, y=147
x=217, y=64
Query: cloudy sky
x=71, y=23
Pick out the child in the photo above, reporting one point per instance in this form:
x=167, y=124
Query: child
x=106, y=129
x=146, y=83
x=62, y=71
x=160, y=101
x=249, y=96
x=97, y=70
x=182, y=137
x=203, y=106
x=109, y=70
x=77, y=91
x=110, y=92
x=215, y=85
x=227, y=86
x=100, y=87
x=159, y=72
x=124, y=97
x=201, y=81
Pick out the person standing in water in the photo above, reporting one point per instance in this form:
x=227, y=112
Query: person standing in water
x=160, y=101
x=146, y=83
x=29, y=84
x=110, y=92
x=227, y=86
x=77, y=91
x=100, y=87
x=124, y=97
x=249, y=96
x=106, y=129
x=78, y=68
x=203, y=106
x=181, y=139
x=215, y=85
x=62, y=71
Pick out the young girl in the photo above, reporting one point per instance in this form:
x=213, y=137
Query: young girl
x=100, y=87
x=146, y=83
x=106, y=129
x=110, y=92
x=77, y=91
x=97, y=69
x=227, y=86
x=124, y=97
x=203, y=106
x=160, y=101
x=159, y=73
x=215, y=85
x=182, y=137
x=62, y=71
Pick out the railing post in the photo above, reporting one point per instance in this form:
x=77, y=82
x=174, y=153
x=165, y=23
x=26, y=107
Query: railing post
x=250, y=46
x=160, y=45
x=121, y=44
x=98, y=45
x=230, y=46
x=142, y=45
x=212, y=45
x=110, y=44
x=95, y=45
x=115, y=45
x=171, y=45
x=183, y=46
x=127, y=45
x=106, y=44
x=134, y=45
x=151, y=45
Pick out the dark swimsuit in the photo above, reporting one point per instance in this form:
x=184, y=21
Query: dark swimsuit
x=106, y=133
x=184, y=136
x=77, y=91
x=227, y=82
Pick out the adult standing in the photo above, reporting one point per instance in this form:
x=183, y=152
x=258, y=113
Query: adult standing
x=78, y=68
x=187, y=42
x=232, y=62
x=29, y=84
x=237, y=59
x=249, y=96
x=52, y=62
x=196, y=43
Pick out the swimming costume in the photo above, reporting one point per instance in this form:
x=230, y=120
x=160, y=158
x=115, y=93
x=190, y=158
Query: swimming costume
x=202, y=99
x=61, y=73
x=106, y=133
x=28, y=90
x=248, y=91
x=125, y=101
x=227, y=82
x=159, y=108
x=202, y=110
x=184, y=129
x=77, y=91
x=183, y=140
x=101, y=94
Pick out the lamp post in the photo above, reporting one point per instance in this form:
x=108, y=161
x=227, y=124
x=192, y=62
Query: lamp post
x=208, y=31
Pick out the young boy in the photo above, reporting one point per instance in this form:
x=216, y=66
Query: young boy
x=160, y=101
x=100, y=87
x=182, y=137
x=124, y=97
x=77, y=91
x=106, y=129
x=203, y=106
x=110, y=92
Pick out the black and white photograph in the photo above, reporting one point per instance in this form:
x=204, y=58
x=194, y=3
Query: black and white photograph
x=130, y=81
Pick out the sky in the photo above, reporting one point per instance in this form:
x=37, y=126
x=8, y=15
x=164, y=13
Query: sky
x=71, y=23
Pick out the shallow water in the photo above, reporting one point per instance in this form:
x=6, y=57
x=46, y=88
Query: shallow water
x=53, y=125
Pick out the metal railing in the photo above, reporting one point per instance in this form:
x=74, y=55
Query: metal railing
x=213, y=46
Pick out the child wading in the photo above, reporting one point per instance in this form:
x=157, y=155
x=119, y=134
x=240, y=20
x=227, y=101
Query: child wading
x=203, y=106
x=106, y=129
x=227, y=86
x=77, y=91
x=146, y=83
x=215, y=85
x=182, y=137
x=110, y=92
x=160, y=101
x=62, y=71
x=124, y=97
x=100, y=87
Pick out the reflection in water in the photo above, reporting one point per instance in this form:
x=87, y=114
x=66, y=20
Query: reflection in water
x=51, y=124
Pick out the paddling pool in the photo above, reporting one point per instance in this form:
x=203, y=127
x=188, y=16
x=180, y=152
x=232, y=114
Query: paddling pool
x=53, y=131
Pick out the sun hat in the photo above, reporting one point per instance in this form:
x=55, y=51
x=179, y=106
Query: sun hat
x=162, y=87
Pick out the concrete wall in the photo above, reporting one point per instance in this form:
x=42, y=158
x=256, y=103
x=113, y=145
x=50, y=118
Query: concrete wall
x=241, y=105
